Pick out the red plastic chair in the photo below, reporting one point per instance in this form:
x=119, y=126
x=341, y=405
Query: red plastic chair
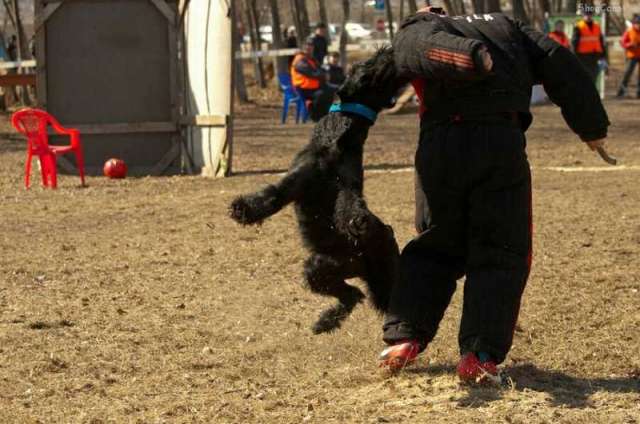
x=33, y=123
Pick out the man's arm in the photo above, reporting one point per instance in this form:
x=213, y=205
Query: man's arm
x=307, y=70
x=568, y=85
x=424, y=49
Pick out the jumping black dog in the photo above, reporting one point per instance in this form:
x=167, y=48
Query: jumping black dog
x=325, y=182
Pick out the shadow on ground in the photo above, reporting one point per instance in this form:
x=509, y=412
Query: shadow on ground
x=565, y=390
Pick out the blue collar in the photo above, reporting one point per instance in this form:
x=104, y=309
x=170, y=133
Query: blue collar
x=355, y=108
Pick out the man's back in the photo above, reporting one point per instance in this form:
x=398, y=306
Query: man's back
x=447, y=53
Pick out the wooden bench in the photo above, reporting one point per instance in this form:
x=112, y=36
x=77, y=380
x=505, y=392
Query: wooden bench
x=15, y=80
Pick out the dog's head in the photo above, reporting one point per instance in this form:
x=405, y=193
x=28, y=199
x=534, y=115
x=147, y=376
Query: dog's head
x=374, y=82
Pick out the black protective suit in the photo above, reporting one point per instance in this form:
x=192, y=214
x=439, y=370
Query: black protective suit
x=473, y=184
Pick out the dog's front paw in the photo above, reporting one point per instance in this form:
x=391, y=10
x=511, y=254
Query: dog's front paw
x=359, y=226
x=242, y=211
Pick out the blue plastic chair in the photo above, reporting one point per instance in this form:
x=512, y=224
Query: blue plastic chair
x=291, y=95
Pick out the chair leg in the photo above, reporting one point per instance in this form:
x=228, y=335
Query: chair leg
x=285, y=110
x=44, y=169
x=53, y=171
x=27, y=174
x=305, y=112
x=80, y=163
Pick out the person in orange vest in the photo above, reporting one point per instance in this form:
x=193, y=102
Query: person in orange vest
x=631, y=43
x=588, y=43
x=558, y=35
x=308, y=78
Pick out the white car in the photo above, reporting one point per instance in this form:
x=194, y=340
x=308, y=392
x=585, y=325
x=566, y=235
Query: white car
x=357, y=31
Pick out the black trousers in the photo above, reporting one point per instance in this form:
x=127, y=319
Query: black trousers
x=590, y=62
x=473, y=214
x=321, y=100
x=628, y=71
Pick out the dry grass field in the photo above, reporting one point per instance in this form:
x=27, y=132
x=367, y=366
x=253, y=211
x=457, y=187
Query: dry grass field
x=140, y=301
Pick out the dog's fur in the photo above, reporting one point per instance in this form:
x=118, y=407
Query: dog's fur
x=325, y=182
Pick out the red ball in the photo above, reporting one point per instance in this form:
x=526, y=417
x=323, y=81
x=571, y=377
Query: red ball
x=115, y=168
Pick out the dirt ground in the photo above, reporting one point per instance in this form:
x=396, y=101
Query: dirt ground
x=140, y=301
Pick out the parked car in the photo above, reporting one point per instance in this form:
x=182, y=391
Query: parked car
x=358, y=31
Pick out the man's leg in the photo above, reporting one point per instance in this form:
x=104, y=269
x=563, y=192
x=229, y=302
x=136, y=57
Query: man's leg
x=636, y=63
x=499, y=245
x=432, y=262
x=628, y=71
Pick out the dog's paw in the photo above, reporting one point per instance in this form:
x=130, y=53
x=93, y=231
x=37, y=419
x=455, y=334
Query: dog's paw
x=330, y=319
x=359, y=226
x=241, y=211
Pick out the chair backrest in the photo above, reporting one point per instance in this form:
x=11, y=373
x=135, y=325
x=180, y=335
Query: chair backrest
x=33, y=124
x=285, y=83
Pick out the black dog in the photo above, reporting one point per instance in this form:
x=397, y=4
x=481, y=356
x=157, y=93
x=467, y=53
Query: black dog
x=325, y=182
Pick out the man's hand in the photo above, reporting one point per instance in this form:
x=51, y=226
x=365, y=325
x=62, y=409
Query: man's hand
x=486, y=59
x=593, y=145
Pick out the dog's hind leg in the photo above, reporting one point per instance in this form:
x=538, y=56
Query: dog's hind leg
x=255, y=207
x=325, y=275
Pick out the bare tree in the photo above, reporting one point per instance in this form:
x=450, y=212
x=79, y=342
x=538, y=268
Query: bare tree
x=519, y=11
x=460, y=9
x=300, y=17
x=322, y=11
x=238, y=77
x=449, y=6
x=281, y=61
x=387, y=6
x=492, y=6
x=13, y=11
x=344, y=35
x=254, y=35
x=478, y=6
x=413, y=8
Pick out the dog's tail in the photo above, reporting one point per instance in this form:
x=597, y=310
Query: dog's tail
x=254, y=208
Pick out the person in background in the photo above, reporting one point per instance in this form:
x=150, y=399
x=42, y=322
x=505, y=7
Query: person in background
x=588, y=43
x=309, y=80
x=335, y=73
x=558, y=35
x=631, y=43
x=12, y=48
x=291, y=41
x=320, y=43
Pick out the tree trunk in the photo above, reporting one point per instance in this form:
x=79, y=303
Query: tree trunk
x=449, y=7
x=322, y=11
x=304, y=17
x=413, y=8
x=300, y=19
x=571, y=6
x=478, y=6
x=281, y=61
x=13, y=11
x=492, y=6
x=254, y=35
x=460, y=9
x=344, y=36
x=238, y=73
x=401, y=14
x=519, y=11
x=387, y=6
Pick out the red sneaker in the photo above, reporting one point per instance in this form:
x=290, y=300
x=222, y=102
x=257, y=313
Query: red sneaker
x=398, y=356
x=471, y=370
